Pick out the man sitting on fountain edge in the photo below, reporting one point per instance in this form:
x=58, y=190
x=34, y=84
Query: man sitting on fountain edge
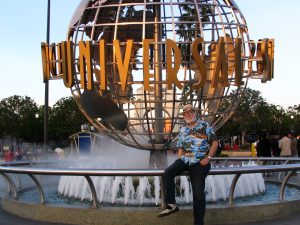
x=197, y=143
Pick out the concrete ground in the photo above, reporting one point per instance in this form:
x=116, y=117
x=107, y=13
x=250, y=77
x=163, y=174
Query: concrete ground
x=9, y=219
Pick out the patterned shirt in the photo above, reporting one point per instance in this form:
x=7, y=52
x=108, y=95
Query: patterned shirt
x=195, y=141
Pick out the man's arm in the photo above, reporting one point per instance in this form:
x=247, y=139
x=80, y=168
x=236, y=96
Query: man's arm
x=179, y=153
x=212, y=151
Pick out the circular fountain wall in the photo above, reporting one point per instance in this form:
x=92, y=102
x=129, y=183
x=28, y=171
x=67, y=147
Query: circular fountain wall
x=74, y=211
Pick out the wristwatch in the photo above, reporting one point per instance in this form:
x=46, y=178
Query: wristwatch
x=209, y=157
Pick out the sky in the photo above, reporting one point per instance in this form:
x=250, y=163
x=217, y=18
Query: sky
x=23, y=28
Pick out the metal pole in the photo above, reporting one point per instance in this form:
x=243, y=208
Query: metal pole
x=283, y=184
x=158, y=126
x=163, y=192
x=39, y=187
x=158, y=157
x=46, y=104
x=232, y=188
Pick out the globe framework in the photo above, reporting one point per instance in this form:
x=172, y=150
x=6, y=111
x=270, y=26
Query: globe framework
x=150, y=119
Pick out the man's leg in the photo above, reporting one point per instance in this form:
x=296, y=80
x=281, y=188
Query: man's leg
x=198, y=174
x=170, y=173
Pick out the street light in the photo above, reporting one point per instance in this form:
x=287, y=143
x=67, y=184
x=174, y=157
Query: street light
x=36, y=125
x=279, y=109
x=292, y=126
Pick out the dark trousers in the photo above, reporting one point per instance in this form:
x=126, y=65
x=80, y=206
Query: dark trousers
x=198, y=174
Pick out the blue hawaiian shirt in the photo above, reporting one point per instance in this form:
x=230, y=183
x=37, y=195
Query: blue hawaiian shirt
x=195, y=141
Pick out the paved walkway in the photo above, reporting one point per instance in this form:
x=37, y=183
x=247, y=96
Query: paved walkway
x=9, y=219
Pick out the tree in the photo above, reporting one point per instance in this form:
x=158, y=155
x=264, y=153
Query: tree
x=65, y=119
x=17, y=115
x=246, y=119
x=294, y=117
x=188, y=30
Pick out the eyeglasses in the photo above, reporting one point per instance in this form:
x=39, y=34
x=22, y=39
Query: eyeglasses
x=187, y=112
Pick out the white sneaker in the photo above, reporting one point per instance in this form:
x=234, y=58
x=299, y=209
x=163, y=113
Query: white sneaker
x=171, y=208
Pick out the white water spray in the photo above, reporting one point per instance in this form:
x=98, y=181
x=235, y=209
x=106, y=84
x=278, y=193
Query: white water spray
x=133, y=190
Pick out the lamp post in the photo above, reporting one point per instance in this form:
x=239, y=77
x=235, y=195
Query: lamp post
x=278, y=108
x=36, y=126
x=47, y=84
x=292, y=126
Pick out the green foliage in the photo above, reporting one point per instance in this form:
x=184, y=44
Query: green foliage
x=187, y=30
x=293, y=114
x=22, y=118
x=17, y=117
x=65, y=119
x=255, y=115
x=187, y=93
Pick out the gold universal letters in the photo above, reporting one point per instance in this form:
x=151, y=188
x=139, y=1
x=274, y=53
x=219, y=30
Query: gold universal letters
x=238, y=66
x=52, y=57
x=267, y=52
x=146, y=66
x=123, y=65
x=200, y=63
x=221, y=66
x=271, y=46
x=45, y=61
x=103, y=82
x=67, y=63
x=85, y=65
x=58, y=60
x=172, y=72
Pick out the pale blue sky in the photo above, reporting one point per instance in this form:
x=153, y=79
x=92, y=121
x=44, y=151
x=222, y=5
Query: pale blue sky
x=23, y=28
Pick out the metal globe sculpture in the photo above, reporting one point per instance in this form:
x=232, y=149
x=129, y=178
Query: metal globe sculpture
x=137, y=62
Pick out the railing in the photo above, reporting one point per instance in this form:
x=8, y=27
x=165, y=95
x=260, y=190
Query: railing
x=15, y=168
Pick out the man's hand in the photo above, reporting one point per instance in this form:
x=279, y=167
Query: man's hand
x=204, y=161
x=211, y=153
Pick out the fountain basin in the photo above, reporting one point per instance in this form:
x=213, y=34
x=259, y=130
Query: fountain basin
x=119, y=215
x=147, y=215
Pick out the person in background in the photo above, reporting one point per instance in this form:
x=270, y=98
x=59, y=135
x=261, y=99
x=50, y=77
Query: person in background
x=197, y=144
x=275, y=147
x=19, y=154
x=60, y=153
x=294, y=145
x=298, y=145
x=255, y=144
x=220, y=148
x=285, y=146
x=263, y=147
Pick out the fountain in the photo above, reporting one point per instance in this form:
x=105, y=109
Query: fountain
x=146, y=190
x=131, y=65
x=134, y=198
x=126, y=190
